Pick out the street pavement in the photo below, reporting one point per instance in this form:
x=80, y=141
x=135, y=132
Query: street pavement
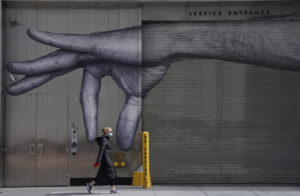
x=160, y=190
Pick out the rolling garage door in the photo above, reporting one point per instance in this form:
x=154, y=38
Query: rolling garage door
x=212, y=121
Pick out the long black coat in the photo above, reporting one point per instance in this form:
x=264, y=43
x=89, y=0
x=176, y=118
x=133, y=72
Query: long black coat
x=105, y=158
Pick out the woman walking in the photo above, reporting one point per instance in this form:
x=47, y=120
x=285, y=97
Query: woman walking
x=105, y=160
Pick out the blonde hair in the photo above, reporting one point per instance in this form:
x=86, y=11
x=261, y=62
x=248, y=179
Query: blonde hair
x=106, y=129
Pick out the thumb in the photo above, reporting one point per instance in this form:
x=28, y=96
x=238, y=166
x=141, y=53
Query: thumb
x=128, y=122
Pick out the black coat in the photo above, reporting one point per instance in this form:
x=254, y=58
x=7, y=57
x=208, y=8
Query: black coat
x=105, y=158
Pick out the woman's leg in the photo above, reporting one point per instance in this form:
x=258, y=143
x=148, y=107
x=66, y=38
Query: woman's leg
x=112, y=184
x=97, y=178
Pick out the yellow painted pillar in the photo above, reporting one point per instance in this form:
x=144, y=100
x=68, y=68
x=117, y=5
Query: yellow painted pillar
x=146, y=171
x=141, y=176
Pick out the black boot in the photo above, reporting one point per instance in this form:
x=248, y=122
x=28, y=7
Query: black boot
x=89, y=187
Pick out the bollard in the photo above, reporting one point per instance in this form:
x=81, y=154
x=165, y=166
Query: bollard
x=146, y=171
x=141, y=176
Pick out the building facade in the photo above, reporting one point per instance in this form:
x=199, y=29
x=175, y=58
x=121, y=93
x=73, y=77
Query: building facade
x=210, y=121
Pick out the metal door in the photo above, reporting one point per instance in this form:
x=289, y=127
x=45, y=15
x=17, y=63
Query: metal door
x=36, y=140
x=51, y=140
x=20, y=141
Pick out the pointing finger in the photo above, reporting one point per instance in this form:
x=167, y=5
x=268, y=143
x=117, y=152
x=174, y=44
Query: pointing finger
x=56, y=61
x=30, y=82
x=89, y=102
x=120, y=45
x=73, y=42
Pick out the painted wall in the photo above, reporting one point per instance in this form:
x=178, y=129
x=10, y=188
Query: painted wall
x=77, y=18
x=42, y=115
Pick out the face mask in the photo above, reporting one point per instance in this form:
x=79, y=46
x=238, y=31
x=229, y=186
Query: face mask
x=110, y=134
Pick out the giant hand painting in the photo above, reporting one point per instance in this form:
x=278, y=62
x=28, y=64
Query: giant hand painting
x=272, y=42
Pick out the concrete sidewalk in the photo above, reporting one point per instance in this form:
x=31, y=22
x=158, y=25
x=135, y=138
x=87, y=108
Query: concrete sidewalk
x=161, y=190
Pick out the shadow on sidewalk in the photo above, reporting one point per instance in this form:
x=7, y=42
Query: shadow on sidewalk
x=77, y=193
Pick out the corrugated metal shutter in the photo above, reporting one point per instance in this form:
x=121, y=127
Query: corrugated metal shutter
x=212, y=121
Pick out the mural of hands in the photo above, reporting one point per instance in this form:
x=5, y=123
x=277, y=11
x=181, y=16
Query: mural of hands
x=267, y=42
x=80, y=51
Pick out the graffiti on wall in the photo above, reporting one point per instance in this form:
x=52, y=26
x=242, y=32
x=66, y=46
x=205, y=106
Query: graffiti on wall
x=138, y=58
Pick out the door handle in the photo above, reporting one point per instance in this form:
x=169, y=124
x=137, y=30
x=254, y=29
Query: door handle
x=40, y=146
x=32, y=149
